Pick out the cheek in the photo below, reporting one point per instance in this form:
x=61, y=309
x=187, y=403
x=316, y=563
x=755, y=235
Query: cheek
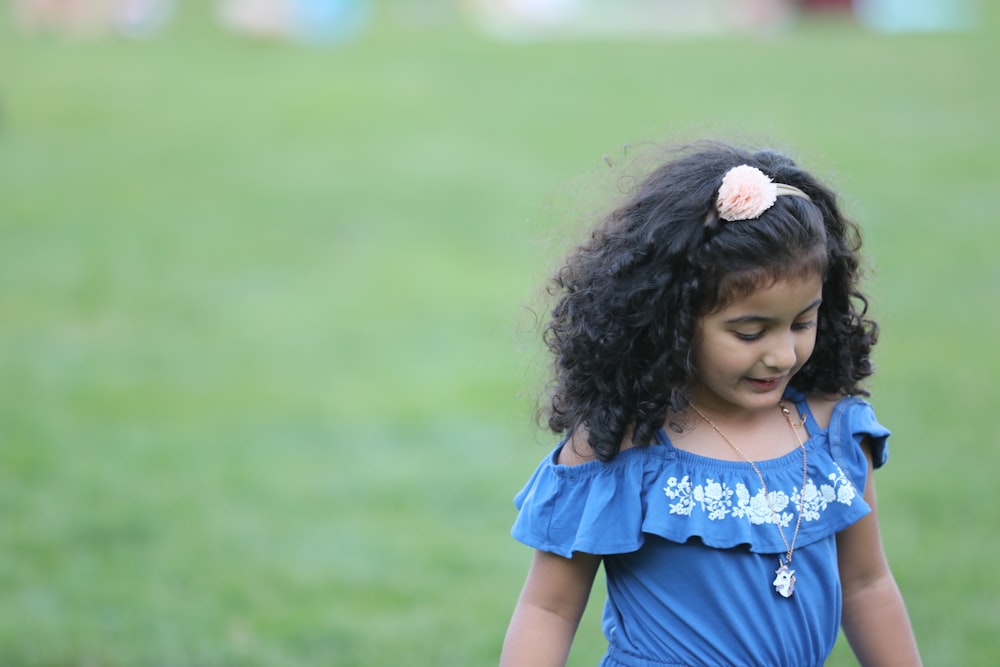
x=722, y=356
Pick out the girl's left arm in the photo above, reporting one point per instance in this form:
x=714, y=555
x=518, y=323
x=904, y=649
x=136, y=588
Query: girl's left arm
x=875, y=621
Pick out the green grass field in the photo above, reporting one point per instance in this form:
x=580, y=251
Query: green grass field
x=267, y=351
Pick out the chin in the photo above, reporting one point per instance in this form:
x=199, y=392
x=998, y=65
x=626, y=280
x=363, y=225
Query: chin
x=764, y=399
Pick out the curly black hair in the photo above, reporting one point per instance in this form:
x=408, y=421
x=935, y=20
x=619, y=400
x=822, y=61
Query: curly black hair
x=627, y=301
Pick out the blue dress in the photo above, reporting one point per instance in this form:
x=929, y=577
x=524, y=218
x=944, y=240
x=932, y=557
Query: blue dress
x=690, y=544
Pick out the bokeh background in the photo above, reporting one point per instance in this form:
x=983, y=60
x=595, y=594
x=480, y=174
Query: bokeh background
x=270, y=284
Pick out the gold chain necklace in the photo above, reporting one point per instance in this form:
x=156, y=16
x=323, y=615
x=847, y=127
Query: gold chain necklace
x=784, y=580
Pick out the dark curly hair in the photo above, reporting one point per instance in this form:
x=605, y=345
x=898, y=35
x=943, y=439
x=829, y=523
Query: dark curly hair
x=628, y=299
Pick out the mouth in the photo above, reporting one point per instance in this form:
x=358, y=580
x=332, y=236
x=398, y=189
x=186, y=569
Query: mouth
x=765, y=384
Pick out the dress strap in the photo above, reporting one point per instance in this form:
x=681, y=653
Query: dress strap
x=803, y=410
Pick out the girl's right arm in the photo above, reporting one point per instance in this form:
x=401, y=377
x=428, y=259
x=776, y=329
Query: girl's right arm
x=549, y=610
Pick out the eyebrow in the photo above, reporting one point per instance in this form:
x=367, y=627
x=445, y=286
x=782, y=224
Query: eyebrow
x=760, y=318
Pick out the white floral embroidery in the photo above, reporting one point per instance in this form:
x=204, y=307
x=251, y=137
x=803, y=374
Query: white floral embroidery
x=714, y=499
x=845, y=490
x=758, y=510
x=682, y=492
x=718, y=500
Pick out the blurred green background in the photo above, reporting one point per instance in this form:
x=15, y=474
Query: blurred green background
x=268, y=351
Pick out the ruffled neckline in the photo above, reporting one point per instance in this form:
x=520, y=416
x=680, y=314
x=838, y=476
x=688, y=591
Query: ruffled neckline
x=606, y=508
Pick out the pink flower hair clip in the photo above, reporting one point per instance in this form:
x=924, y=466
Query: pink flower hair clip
x=746, y=192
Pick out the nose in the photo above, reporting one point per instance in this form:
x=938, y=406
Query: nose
x=781, y=355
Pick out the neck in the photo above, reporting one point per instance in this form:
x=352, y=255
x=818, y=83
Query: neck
x=758, y=435
x=737, y=416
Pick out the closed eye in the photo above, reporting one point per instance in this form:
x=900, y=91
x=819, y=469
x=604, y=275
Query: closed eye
x=757, y=335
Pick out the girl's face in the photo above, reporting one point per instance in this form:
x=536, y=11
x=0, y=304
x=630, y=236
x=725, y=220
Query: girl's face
x=746, y=353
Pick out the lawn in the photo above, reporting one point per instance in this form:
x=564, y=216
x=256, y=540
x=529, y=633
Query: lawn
x=268, y=342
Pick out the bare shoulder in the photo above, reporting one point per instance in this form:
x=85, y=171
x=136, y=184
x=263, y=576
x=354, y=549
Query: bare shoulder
x=822, y=406
x=577, y=449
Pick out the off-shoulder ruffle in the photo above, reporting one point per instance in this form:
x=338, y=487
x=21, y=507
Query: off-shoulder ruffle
x=609, y=508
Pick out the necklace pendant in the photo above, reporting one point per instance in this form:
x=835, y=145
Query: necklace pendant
x=784, y=580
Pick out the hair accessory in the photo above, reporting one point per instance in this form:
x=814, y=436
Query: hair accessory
x=747, y=192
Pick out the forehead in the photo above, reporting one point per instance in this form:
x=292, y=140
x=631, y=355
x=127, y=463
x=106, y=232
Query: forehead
x=776, y=299
x=731, y=280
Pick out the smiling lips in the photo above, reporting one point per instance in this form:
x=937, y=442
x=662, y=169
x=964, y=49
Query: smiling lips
x=764, y=385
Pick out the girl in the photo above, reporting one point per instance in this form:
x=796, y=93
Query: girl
x=709, y=341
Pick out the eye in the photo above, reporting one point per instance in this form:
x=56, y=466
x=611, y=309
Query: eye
x=749, y=337
x=802, y=326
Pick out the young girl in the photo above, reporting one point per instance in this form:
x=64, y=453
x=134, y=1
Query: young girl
x=709, y=343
